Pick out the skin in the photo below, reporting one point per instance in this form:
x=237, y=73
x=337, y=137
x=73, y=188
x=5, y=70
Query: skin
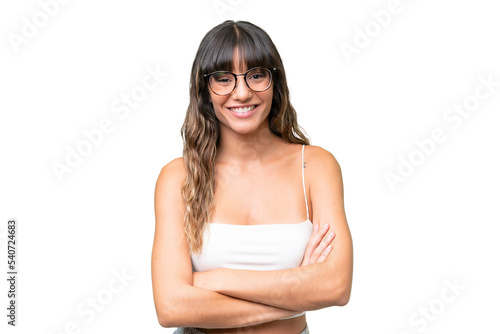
x=250, y=158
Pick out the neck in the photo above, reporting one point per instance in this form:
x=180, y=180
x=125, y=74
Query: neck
x=256, y=147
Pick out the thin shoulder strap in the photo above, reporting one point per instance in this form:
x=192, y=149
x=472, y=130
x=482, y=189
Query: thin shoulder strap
x=303, y=182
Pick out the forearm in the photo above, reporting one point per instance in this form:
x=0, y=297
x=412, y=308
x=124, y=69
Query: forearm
x=306, y=288
x=197, y=307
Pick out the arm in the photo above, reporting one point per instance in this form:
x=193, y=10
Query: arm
x=177, y=301
x=308, y=287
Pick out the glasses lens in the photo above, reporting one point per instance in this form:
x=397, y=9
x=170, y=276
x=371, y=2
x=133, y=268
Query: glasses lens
x=222, y=83
x=259, y=79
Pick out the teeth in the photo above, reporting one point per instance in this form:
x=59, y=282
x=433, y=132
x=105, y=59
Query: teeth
x=242, y=110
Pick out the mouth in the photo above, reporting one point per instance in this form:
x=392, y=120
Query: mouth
x=243, y=112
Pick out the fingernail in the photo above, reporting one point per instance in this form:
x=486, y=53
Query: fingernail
x=325, y=226
x=316, y=227
x=331, y=235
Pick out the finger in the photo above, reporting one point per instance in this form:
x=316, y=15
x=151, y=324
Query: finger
x=314, y=240
x=325, y=254
x=312, y=243
x=327, y=240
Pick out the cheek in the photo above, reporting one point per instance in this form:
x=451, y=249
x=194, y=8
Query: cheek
x=271, y=93
x=269, y=97
x=217, y=102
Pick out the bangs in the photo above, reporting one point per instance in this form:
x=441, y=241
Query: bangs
x=252, y=48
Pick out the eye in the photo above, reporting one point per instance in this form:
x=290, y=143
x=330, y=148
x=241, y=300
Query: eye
x=259, y=74
x=222, y=78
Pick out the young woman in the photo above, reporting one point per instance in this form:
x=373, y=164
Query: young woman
x=245, y=241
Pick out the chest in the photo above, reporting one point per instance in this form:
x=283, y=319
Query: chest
x=267, y=199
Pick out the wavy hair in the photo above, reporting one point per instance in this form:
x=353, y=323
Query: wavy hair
x=200, y=131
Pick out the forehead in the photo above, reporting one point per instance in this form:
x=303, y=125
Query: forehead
x=239, y=64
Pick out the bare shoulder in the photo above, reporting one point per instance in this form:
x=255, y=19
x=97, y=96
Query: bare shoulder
x=168, y=197
x=172, y=173
x=169, y=204
x=174, y=167
x=318, y=160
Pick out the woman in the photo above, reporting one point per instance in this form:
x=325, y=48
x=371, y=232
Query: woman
x=230, y=254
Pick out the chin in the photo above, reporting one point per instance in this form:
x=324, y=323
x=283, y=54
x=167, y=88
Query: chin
x=244, y=130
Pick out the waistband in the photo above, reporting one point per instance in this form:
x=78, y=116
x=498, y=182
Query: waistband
x=192, y=330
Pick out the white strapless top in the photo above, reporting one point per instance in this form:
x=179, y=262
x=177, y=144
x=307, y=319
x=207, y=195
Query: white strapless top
x=253, y=247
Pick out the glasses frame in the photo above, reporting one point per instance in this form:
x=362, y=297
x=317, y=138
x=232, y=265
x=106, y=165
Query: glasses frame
x=244, y=75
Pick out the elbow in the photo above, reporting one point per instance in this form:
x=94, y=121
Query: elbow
x=342, y=294
x=343, y=298
x=164, y=321
x=166, y=318
x=335, y=295
x=339, y=294
x=170, y=314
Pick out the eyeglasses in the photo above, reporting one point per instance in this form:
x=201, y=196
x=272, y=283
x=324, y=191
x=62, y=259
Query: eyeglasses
x=258, y=79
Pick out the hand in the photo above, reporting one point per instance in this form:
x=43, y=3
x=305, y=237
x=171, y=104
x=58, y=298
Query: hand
x=319, y=245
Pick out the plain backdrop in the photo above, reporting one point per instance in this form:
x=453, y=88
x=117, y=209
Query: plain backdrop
x=425, y=249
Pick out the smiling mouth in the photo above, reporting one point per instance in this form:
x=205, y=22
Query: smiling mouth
x=243, y=110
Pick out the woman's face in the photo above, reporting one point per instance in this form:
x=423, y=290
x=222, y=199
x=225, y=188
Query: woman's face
x=243, y=111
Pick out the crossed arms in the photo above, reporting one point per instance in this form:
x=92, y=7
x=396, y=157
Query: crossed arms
x=228, y=298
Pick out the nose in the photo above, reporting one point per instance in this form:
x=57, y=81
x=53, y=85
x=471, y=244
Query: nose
x=241, y=91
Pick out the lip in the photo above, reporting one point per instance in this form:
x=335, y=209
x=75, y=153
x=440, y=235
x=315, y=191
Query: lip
x=246, y=114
